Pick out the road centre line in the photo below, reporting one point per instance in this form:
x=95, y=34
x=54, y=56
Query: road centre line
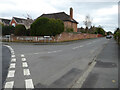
x=26, y=72
x=9, y=84
x=29, y=84
x=11, y=73
x=77, y=47
x=55, y=51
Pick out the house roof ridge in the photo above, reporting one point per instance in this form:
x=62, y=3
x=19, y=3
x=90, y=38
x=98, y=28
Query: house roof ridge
x=53, y=13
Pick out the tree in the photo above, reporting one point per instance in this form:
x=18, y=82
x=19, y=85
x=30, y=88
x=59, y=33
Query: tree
x=46, y=27
x=88, y=21
x=99, y=30
x=117, y=35
x=109, y=33
x=7, y=30
x=20, y=30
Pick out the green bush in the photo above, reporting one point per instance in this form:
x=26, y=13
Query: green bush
x=100, y=30
x=46, y=27
x=117, y=35
x=69, y=30
x=20, y=30
x=7, y=30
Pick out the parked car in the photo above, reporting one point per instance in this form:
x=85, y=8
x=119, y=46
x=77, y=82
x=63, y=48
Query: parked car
x=108, y=36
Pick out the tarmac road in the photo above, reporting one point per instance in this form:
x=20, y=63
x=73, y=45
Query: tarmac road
x=53, y=66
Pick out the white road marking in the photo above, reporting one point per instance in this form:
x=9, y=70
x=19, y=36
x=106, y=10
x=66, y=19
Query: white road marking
x=36, y=53
x=12, y=52
x=13, y=60
x=23, y=59
x=11, y=73
x=12, y=65
x=9, y=84
x=13, y=56
x=55, y=51
x=29, y=84
x=81, y=80
x=24, y=64
x=81, y=46
x=26, y=72
x=75, y=47
x=22, y=55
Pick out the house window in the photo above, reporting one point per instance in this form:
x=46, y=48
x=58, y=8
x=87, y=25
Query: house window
x=13, y=24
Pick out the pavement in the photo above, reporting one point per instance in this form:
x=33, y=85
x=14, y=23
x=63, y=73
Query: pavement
x=57, y=65
x=105, y=72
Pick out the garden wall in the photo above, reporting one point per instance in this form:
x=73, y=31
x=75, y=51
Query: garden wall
x=59, y=38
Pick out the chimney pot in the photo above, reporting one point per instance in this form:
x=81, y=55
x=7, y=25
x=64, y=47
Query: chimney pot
x=71, y=13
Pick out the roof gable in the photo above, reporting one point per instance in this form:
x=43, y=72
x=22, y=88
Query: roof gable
x=19, y=20
x=6, y=21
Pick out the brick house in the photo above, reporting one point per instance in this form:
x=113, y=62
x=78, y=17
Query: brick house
x=68, y=20
x=5, y=21
x=26, y=22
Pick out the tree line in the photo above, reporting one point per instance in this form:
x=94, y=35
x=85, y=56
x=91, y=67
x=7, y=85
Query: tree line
x=117, y=35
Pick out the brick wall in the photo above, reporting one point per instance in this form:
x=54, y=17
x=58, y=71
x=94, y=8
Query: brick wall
x=59, y=38
x=70, y=36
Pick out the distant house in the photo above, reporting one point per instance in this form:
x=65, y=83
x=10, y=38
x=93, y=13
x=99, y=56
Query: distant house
x=5, y=21
x=68, y=20
x=26, y=22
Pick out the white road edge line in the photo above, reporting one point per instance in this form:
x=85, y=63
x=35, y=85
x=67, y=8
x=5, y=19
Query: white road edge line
x=9, y=84
x=11, y=73
x=26, y=72
x=29, y=84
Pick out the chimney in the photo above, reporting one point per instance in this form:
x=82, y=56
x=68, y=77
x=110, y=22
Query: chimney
x=71, y=13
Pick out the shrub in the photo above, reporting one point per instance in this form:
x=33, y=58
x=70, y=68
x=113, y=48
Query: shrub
x=117, y=35
x=46, y=27
x=20, y=30
x=7, y=30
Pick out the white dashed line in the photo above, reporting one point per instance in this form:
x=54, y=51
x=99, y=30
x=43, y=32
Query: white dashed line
x=13, y=60
x=9, y=84
x=36, y=53
x=23, y=59
x=24, y=64
x=11, y=73
x=22, y=55
x=12, y=65
x=75, y=47
x=81, y=46
x=26, y=72
x=13, y=56
x=29, y=84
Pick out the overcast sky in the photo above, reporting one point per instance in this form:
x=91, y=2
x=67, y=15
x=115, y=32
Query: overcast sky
x=104, y=12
